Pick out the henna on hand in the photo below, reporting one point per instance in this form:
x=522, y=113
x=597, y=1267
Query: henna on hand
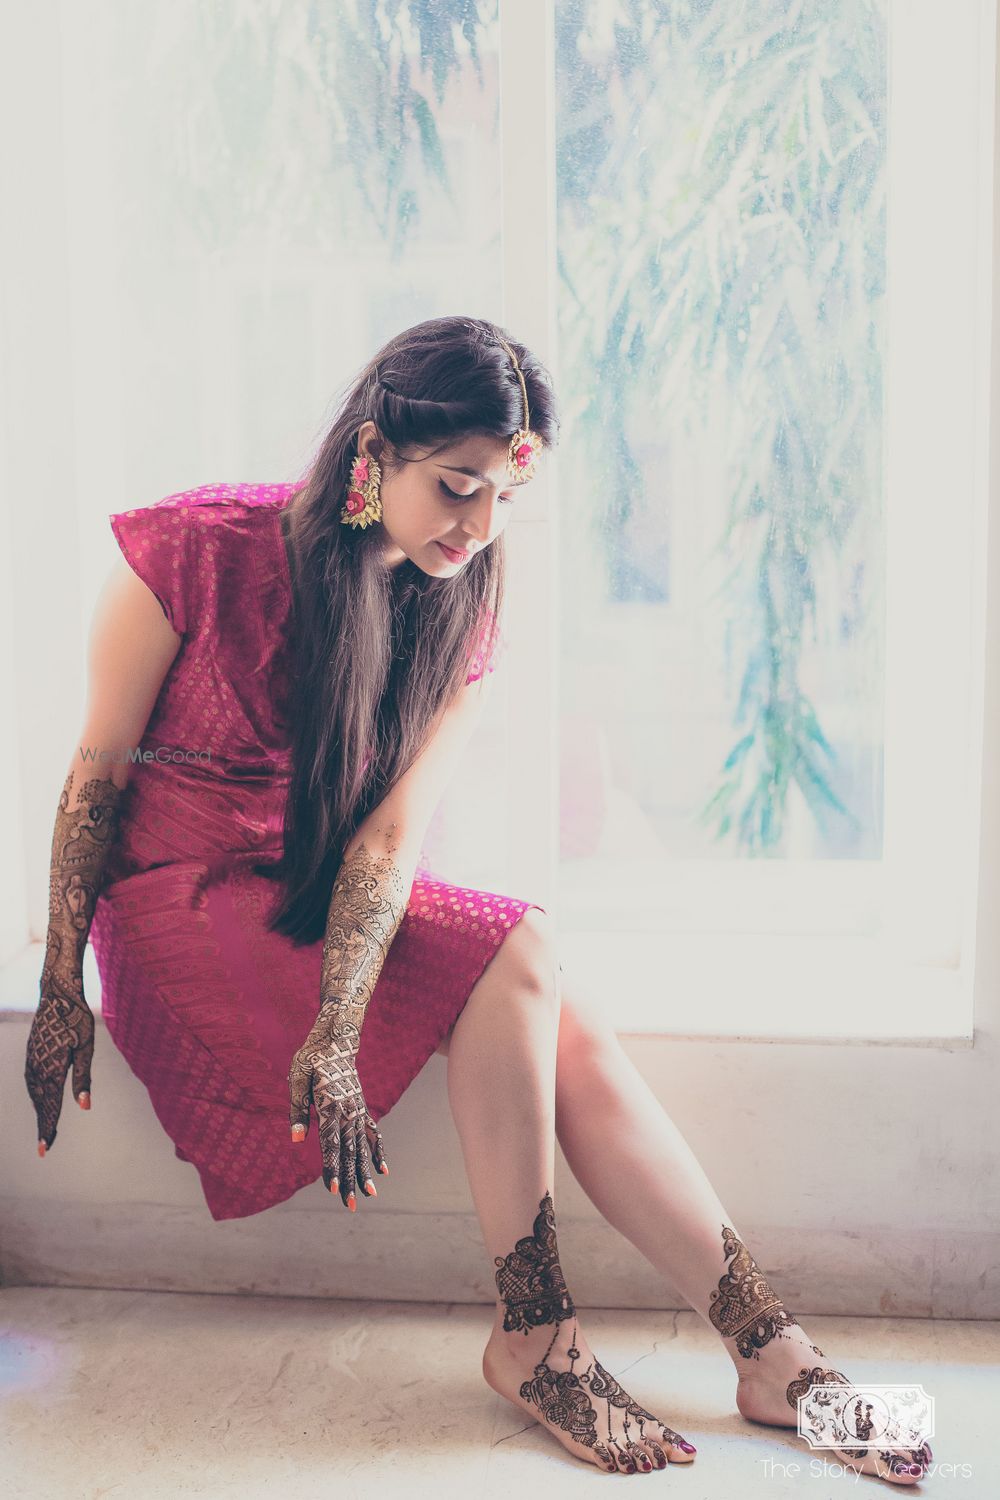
x=744, y=1307
x=367, y=905
x=62, y=1032
x=323, y=1073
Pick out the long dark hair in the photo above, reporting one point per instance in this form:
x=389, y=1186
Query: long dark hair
x=377, y=651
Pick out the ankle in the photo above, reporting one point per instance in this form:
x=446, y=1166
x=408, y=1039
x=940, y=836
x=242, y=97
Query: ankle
x=789, y=1346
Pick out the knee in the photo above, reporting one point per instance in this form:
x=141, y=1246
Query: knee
x=528, y=955
x=586, y=1034
x=526, y=963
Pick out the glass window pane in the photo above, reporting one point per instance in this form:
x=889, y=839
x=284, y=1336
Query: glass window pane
x=722, y=253
x=290, y=186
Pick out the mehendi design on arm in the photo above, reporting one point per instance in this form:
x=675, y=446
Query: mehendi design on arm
x=81, y=842
x=744, y=1307
x=367, y=905
x=63, y=1027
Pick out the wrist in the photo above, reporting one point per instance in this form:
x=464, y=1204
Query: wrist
x=343, y=1018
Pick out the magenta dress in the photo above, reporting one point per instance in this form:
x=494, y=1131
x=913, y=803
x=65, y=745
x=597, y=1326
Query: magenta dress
x=204, y=1002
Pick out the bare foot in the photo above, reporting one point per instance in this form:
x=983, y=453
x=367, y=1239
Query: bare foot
x=767, y=1391
x=556, y=1379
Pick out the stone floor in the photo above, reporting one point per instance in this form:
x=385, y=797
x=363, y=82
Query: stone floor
x=162, y=1395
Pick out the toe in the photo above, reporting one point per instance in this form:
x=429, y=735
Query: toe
x=656, y=1452
x=606, y=1459
x=679, y=1450
x=643, y=1460
x=626, y=1463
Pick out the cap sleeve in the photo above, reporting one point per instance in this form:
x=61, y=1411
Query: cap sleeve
x=156, y=543
x=492, y=644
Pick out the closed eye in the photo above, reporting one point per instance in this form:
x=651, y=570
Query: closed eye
x=453, y=494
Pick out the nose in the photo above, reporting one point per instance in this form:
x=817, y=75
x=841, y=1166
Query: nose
x=479, y=519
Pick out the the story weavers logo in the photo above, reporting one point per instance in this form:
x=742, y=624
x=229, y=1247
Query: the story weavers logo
x=853, y=1416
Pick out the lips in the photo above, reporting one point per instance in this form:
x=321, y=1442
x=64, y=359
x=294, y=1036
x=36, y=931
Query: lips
x=454, y=552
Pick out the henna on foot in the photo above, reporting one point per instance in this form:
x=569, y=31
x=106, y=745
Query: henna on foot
x=747, y=1311
x=568, y=1390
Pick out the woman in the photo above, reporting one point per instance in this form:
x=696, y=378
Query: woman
x=270, y=943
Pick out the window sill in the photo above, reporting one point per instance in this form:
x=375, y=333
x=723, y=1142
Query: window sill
x=708, y=987
x=752, y=987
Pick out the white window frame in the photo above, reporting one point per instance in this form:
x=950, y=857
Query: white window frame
x=734, y=944
x=911, y=980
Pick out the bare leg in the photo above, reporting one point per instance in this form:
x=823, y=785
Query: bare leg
x=635, y=1165
x=501, y=1086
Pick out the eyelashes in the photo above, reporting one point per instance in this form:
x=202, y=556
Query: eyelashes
x=453, y=495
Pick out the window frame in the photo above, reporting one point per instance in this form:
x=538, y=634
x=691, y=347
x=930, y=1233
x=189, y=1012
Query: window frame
x=898, y=935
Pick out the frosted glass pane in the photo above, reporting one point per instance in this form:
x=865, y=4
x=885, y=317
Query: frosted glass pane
x=259, y=195
x=288, y=185
x=722, y=296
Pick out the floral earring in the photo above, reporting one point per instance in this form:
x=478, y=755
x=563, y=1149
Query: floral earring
x=363, y=505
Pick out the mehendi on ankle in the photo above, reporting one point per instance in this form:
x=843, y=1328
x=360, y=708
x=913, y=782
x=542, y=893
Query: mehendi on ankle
x=533, y=1290
x=530, y=1279
x=744, y=1307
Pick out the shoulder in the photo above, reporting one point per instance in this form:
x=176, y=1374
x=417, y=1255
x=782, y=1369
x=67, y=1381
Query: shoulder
x=222, y=504
x=187, y=546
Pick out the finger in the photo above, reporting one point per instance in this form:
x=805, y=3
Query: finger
x=46, y=1095
x=365, y=1179
x=348, y=1157
x=377, y=1146
x=329, y=1140
x=83, y=1057
x=299, y=1093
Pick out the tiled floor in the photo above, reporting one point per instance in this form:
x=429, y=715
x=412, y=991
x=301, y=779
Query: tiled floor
x=160, y=1395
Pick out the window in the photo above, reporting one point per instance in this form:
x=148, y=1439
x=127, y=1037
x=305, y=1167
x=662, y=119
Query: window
x=735, y=743
x=770, y=612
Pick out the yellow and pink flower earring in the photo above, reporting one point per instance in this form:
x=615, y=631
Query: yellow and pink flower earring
x=363, y=505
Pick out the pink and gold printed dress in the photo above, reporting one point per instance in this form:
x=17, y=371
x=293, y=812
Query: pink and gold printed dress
x=204, y=1002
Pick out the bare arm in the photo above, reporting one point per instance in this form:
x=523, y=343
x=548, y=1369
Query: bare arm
x=367, y=907
x=130, y=648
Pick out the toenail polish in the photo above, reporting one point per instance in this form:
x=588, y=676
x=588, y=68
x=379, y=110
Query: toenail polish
x=688, y=1447
x=352, y=1205
x=915, y=1469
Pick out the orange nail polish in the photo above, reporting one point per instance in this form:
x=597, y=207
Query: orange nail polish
x=352, y=1205
x=370, y=1190
x=41, y=1148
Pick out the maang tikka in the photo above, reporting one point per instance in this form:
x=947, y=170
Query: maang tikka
x=364, y=505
